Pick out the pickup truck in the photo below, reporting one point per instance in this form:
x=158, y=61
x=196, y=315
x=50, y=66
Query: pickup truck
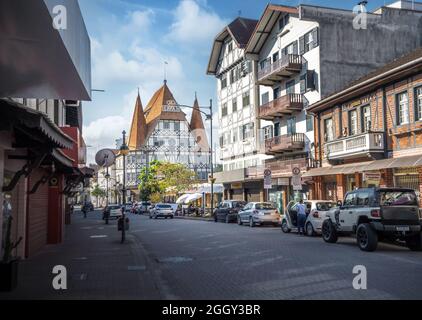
x=376, y=214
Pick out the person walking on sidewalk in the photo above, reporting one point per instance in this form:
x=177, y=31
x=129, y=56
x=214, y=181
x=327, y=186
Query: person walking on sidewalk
x=84, y=210
x=301, y=217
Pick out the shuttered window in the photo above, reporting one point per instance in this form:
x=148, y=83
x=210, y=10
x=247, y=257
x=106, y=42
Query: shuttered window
x=309, y=41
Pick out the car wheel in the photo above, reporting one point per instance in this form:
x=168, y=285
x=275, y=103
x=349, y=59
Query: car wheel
x=414, y=243
x=171, y=217
x=284, y=227
x=310, y=230
x=215, y=218
x=150, y=217
x=366, y=237
x=227, y=219
x=251, y=223
x=239, y=221
x=329, y=233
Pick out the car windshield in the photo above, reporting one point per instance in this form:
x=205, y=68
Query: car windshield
x=264, y=206
x=114, y=207
x=163, y=206
x=324, y=206
x=397, y=198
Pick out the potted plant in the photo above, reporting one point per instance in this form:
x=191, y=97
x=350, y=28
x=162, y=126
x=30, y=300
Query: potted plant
x=9, y=263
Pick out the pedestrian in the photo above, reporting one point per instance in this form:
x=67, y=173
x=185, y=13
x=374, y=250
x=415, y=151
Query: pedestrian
x=301, y=217
x=84, y=209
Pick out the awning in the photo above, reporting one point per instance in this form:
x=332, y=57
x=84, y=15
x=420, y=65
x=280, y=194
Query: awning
x=34, y=124
x=182, y=199
x=401, y=162
x=206, y=188
x=193, y=197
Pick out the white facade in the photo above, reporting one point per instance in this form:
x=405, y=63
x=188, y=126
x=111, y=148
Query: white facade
x=288, y=36
x=237, y=109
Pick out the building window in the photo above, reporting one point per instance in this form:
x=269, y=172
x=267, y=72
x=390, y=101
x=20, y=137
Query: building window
x=234, y=135
x=276, y=56
x=177, y=126
x=246, y=100
x=402, y=108
x=353, y=122
x=224, y=81
x=291, y=126
x=309, y=41
x=290, y=49
x=268, y=132
x=232, y=80
x=418, y=103
x=277, y=127
x=230, y=47
x=366, y=119
x=224, y=110
x=283, y=21
x=309, y=123
x=264, y=63
x=265, y=98
x=248, y=131
x=328, y=130
x=234, y=105
x=290, y=87
x=276, y=93
x=166, y=125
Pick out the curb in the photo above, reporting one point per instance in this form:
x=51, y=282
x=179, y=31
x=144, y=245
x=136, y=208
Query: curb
x=194, y=218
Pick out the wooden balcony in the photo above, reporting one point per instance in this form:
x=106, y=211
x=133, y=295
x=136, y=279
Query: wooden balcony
x=369, y=144
x=279, y=70
x=287, y=104
x=285, y=144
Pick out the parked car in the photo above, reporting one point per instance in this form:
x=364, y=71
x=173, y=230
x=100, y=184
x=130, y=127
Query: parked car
x=228, y=210
x=376, y=214
x=259, y=213
x=114, y=210
x=315, y=210
x=144, y=207
x=162, y=210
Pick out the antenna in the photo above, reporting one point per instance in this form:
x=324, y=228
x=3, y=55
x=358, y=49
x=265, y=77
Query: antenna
x=165, y=71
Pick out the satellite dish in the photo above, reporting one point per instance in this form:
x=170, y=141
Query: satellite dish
x=105, y=158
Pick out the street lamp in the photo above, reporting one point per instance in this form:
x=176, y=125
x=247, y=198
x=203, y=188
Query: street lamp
x=124, y=151
x=107, y=177
x=208, y=116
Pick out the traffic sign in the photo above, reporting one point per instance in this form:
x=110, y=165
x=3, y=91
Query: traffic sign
x=268, y=179
x=297, y=179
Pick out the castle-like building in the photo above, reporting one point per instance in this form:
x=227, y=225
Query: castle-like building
x=162, y=132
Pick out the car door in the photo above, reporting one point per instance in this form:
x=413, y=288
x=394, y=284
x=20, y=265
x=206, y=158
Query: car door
x=221, y=215
x=347, y=211
x=244, y=214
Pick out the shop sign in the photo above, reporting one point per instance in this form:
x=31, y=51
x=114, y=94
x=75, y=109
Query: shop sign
x=268, y=182
x=373, y=176
x=236, y=185
x=283, y=181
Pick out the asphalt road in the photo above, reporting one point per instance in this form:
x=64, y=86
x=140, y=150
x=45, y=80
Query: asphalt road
x=207, y=260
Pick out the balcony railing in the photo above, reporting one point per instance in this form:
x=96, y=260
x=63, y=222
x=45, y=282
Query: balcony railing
x=280, y=69
x=280, y=167
x=355, y=146
x=285, y=144
x=279, y=107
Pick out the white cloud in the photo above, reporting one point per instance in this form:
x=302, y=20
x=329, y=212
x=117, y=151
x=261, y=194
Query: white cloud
x=139, y=20
x=194, y=23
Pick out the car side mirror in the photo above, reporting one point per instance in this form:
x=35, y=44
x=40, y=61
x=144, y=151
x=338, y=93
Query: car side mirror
x=339, y=203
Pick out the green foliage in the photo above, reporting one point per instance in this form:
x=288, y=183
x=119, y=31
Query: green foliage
x=9, y=245
x=162, y=176
x=98, y=192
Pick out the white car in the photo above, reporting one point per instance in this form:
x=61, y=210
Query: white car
x=316, y=211
x=259, y=213
x=162, y=210
x=115, y=211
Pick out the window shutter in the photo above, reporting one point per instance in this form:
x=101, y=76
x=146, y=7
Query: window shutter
x=303, y=83
x=315, y=41
x=310, y=80
x=302, y=45
x=295, y=47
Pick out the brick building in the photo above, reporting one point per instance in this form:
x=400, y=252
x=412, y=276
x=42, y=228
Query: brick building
x=370, y=134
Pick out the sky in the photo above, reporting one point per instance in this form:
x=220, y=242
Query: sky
x=132, y=39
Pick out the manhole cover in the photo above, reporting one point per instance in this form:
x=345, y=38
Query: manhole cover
x=174, y=260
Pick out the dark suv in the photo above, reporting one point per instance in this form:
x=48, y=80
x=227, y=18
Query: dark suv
x=375, y=214
x=227, y=211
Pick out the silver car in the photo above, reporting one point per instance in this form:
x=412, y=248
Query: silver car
x=115, y=211
x=162, y=210
x=259, y=213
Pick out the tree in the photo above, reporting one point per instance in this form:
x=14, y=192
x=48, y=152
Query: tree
x=160, y=176
x=98, y=192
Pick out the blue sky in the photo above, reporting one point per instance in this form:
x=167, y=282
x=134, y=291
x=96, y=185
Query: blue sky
x=130, y=41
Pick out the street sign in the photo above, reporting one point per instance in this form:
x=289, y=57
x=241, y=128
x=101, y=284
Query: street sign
x=268, y=183
x=297, y=179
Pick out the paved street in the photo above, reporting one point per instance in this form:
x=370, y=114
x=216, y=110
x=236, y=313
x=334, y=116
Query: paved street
x=185, y=259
